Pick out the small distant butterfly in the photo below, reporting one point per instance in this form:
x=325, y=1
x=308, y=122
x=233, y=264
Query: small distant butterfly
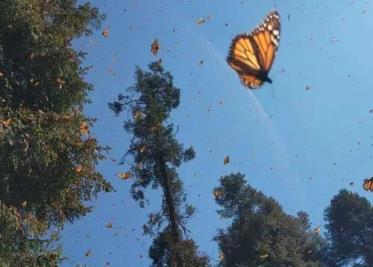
x=105, y=33
x=221, y=256
x=317, y=230
x=138, y=115
x=125, y=175
x=141, y=149
x=226, y=160
x=78, y=168
x=251, y=55
x=200, y=21
x=60, y=82
x=88, y=253
x=263, y=256
x=368, y=184
x=154, y=47
x=84, y=128
x=5, y=123
x=217, y=193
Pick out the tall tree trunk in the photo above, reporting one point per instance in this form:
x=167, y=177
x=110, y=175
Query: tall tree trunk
x=172, y=214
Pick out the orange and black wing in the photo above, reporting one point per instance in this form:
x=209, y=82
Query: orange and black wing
x=368, y=184
x=243, y=59
x=267, y=37
x=252, y=55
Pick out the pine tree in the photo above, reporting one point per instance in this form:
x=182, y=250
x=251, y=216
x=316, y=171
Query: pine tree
x=157, y=155
x=261, y=234
x=48, y=158
x=350, y=230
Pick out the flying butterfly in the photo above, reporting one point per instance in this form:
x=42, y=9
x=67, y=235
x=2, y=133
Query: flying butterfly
x=368, y=184
x=154, y=47
x=217, y=193
x=125, y=175
x=251, y=55
x=226, y=160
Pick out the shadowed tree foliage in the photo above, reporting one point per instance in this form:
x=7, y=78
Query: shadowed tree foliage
x=261, y=234
x=350, y=230
x=48, y=158
x=157, y=155
x=21, y=244
x=162, y=249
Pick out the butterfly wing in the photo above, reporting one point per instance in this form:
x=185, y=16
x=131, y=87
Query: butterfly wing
x=243, y=60
x=267, y=37
x=252, y=55
x=251, y=81
x=368, y=184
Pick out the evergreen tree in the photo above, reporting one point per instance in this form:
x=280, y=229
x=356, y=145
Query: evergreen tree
x=20, y=242
x=48, y=158
x=162, y=249
x=350, y=230
x=157, y=155
x=261, y=234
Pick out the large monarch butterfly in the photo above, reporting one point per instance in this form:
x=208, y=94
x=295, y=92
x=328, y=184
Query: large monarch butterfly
x=251, y=55
x=368, y=184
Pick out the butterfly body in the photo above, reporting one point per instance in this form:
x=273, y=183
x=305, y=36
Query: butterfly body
x=264, y=77
x=251, y=55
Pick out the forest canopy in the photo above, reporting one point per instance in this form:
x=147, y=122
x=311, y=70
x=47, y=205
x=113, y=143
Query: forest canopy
x=48, y=157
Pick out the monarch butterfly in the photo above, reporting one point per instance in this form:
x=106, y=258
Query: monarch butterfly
x=368, y=184
x=84, y=128
x=251, y=55
x=154, y=47
x=226, y=160
x=78, y=168
x=217, y=193
x=125, y=175
x=105, y=33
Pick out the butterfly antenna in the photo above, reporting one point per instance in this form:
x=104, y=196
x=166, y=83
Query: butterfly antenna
x=274, y=76
x=278, y=73
x=273, y=91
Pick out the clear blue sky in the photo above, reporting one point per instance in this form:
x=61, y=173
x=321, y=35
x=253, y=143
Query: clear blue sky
x=299, y=146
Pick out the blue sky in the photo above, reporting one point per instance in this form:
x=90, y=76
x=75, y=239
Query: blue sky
x=299, y=146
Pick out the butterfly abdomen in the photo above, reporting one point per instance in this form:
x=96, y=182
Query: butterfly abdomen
x=263, y=76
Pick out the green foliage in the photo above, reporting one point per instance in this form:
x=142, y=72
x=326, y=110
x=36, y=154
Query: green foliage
x=41, y=154
x=350, y=229
x=261, y=234
x=162, y=250
x=20, y=243
x=148, y=105
x=157, y=155
x=39, y=68
x=48, y=158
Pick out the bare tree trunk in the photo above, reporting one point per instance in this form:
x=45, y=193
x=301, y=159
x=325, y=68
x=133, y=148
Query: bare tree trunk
x=176, y=259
